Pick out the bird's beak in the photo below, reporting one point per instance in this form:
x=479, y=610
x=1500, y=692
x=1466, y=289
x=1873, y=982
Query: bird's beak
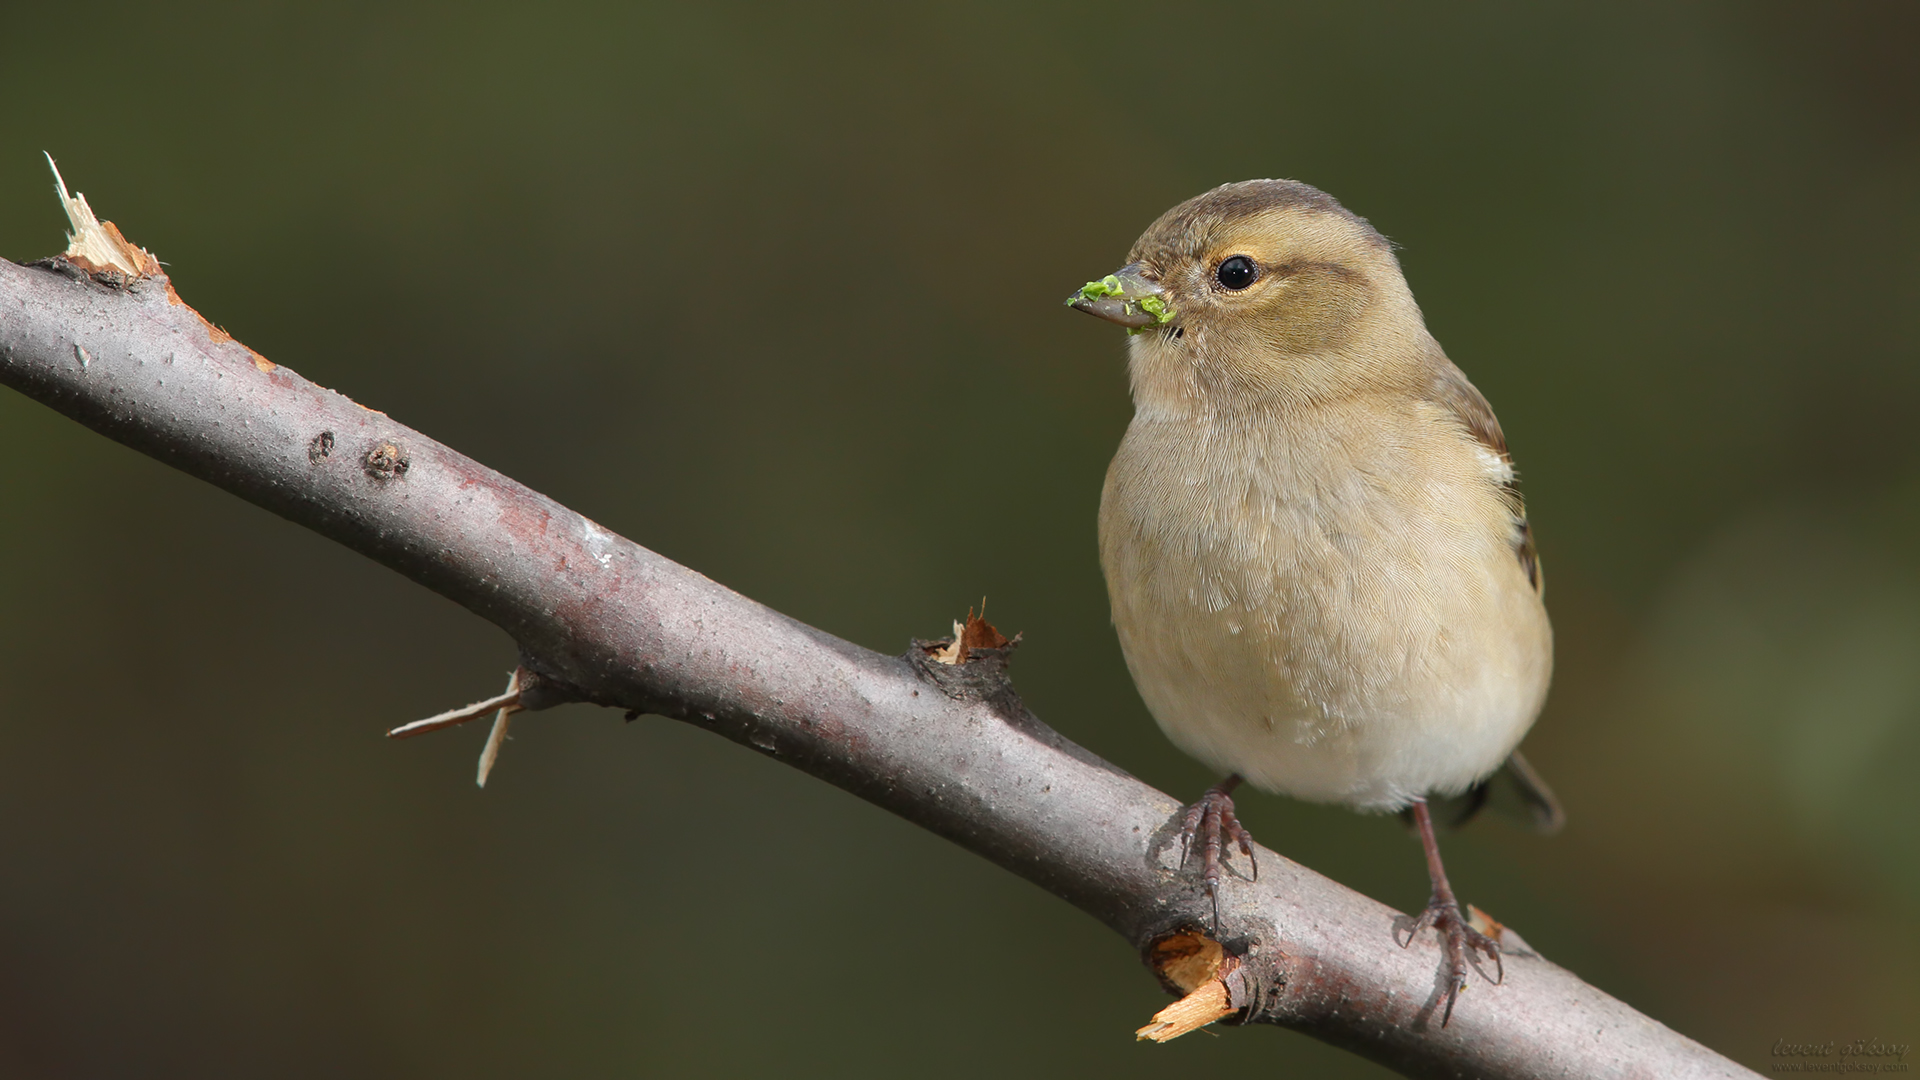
x=1125, y=297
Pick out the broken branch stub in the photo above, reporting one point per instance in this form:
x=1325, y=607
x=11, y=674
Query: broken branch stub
x=974, y=633
x=96, y=246
x=1198, y=968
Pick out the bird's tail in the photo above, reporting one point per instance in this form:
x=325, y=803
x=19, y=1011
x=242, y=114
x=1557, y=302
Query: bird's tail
x=1515, y=791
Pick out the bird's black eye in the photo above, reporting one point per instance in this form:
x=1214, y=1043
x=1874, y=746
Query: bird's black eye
x=1237, y=272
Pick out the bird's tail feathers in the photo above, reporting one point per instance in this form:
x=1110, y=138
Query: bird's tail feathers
x=1515, y=791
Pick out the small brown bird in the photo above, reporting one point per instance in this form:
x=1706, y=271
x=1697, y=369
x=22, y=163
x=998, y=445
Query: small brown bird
x=1320, y=568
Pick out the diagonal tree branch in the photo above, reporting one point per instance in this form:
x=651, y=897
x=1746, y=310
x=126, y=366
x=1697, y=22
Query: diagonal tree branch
x=951, y=748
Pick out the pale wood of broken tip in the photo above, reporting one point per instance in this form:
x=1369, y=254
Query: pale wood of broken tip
x=95, y=244
x=1191, y=1013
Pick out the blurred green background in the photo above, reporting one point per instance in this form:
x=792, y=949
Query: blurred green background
x=748, y=284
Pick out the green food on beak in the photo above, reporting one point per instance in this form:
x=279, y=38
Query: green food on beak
x=1127, y=297
x=1161, y=311
x=1094, y=290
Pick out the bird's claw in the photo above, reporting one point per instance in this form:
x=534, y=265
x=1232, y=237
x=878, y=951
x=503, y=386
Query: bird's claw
x=1463, y=946
x=1211, y=820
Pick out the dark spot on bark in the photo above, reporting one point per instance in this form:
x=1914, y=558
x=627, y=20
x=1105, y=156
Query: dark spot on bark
x=320, y=447
x=385, y=462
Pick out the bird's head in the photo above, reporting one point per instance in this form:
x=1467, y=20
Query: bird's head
x=1262, y=291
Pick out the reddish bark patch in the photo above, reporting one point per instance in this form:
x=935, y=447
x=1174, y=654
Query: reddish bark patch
x=527, y=524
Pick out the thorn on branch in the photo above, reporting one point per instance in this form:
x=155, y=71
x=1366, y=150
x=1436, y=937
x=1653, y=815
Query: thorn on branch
x=490, y=753
x=504, y=704
x=527, y=691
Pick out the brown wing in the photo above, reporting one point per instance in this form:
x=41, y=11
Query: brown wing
x=1451, y=389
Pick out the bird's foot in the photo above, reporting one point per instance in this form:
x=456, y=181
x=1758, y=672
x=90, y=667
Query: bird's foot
x=1211, y=822
x=1463, y=946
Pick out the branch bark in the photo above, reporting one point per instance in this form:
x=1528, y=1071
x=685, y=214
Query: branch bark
x=601, y=619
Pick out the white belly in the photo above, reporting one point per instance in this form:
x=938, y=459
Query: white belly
x=1338, y=615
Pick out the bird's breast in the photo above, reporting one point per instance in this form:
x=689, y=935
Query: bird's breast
x=1326, y=602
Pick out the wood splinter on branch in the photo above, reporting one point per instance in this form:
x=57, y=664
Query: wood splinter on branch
x=97, y=250
x=96, y=246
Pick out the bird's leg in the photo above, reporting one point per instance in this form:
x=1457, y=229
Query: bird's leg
x=1462, y=942
x=1211, y=821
